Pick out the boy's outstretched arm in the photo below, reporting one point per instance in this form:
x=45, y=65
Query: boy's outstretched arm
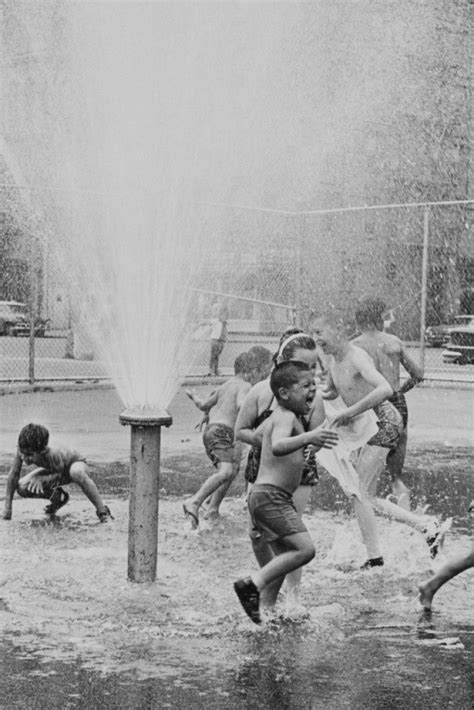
x=203, y=404
x=381, y=389
x=244, y=425
x=283, y=443
x=414, y=370
x=12, y=482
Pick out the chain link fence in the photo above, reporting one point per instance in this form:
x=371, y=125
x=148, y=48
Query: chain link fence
x=274, y=269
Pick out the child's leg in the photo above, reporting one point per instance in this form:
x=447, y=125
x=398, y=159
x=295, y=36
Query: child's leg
x=224, y=475
x=79, y=475
x=448, y=571
x=291, y=552
x=293, y=580
x=218, y=496
x=394, y=465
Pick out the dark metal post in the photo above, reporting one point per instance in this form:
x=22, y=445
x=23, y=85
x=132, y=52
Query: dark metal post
x=145, y=452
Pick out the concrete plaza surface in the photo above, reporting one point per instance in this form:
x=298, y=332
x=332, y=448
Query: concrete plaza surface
x=88, y=420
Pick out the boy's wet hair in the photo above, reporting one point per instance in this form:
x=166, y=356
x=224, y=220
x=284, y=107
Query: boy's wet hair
x=33, y=437
x=261, y=356
x=285, y=374
x=370, y=312
x=293, y=339
x=243, y=363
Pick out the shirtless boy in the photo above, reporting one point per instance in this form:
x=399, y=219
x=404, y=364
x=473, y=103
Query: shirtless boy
x=56, y=467
x=223, y=406
x=389, y=353
x=351, y=374
x=270, y=501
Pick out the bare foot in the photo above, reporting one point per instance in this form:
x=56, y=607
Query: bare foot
x=426, y=595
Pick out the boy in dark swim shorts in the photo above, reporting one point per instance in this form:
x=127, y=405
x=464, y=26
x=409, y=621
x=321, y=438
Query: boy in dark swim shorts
x=56, y=467
x=223, y=406
x=270, y=502
x=218, y=440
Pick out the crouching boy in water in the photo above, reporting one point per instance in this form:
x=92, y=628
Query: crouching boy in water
x=270, y=501
x=56, y=467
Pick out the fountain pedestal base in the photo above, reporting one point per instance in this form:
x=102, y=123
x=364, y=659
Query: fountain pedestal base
x=145, y=450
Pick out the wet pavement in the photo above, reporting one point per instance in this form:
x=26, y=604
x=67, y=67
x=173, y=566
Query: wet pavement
x=77, y=634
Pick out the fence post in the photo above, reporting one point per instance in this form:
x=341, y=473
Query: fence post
x=424, y=284
x=31, y=349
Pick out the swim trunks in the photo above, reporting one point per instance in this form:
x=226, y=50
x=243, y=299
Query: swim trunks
x=390, y=425
x=218, y=440
x=310, y=476
x=253, y=458
x=273, y=514
x=399, y=402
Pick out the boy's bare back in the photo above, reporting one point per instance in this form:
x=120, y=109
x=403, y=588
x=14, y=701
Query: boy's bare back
x=388, y=353
x=230, y=396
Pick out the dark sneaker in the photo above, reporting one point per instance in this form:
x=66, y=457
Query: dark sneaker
x=58, y=498
x=373, y=562
x=249, y=597
x=104, y=515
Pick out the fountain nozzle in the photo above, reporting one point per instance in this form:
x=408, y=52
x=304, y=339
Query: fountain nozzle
x=145, y=417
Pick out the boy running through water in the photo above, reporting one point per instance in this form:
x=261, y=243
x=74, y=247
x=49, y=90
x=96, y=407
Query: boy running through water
x=352, y=374
x=56, y=467
x=270, y=501
x=223, y=406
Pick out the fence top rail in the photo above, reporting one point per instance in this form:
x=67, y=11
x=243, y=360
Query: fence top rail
x=243, y=298
x=334, y=210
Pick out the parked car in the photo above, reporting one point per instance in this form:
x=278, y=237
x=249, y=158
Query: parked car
x=460, y=346
x=438, y=335
x=15, y=320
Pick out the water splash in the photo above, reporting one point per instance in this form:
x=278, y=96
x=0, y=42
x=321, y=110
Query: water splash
x=121, y=129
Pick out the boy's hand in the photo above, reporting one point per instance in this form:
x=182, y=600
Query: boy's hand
x=342, y=418
x=35, y=486
x=323, y=438
x=329, y=393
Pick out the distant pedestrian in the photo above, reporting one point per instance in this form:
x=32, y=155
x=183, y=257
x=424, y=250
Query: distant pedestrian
x=55, y=467
x=218, y=335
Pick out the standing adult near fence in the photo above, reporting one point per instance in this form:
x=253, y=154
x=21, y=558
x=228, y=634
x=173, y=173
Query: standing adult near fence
x=218, y=322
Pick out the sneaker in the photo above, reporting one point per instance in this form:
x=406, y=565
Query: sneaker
x=104, y=515
x=434, y=533
x=249, y=597
x=373, y=562
x=58, y=498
